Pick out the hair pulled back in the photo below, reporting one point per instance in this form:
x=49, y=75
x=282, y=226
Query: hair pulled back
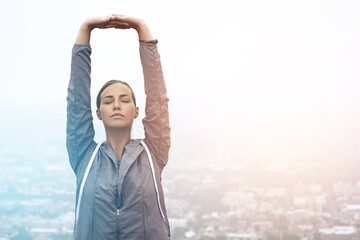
x=108, y=83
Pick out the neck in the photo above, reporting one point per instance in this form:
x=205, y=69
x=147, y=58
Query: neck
x=117, y=139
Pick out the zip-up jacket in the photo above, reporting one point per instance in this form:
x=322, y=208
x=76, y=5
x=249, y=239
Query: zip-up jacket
x=137, y=216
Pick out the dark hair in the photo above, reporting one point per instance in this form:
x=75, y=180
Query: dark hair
x=108, y=83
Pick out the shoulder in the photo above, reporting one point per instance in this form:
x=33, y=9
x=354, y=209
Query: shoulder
x=92, y=150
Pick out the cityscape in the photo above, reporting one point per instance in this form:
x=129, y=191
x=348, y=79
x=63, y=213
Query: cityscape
x=264, y=107
x=234, y=200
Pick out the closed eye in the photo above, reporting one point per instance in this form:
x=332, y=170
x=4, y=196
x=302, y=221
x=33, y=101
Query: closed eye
x=108, y=99
x=124, y=98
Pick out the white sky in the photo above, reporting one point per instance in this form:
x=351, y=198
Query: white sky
x=274, y=75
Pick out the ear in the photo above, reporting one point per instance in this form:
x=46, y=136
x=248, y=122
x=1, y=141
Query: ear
x=136, y=114
x=98, y=114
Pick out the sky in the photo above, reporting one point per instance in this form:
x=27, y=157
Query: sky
x=278, y=78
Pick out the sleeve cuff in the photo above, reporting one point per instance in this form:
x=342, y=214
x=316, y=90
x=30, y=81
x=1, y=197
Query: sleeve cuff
x=152, y=41
x=82, y=45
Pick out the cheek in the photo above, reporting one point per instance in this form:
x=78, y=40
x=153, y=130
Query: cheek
x=131, y=110
x=104, y=109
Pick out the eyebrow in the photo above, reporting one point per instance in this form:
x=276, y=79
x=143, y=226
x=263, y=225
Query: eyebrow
x=111, y=96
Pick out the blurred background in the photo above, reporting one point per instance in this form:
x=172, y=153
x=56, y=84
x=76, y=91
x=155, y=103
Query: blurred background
x=264, y=111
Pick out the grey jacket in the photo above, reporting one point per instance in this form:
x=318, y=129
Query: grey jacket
x=138, y=216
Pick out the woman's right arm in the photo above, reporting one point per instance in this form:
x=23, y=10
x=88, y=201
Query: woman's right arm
x=79, y=130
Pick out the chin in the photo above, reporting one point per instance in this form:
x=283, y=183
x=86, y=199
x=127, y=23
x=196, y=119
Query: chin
x=118, y=126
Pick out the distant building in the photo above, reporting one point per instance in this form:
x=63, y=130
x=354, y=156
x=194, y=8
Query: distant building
x=349, y=214
x=42, y=238
x=297, y=217
x=210, y=231
x=240, y=201
x=241, y=236
x=177, y=222
x=276, y=192
x=312, y=203
x=39, y=231
x=262, y=226
x=343, y=189
x=339, y=233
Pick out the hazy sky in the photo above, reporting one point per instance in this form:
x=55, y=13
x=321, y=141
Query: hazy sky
x=281, y=77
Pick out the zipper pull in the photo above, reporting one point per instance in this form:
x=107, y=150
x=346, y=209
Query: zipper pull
x=118, y=212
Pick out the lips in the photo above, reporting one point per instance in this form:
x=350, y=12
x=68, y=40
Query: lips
x=117, y=115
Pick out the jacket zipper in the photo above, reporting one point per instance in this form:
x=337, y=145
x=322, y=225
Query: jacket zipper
x=118, y=222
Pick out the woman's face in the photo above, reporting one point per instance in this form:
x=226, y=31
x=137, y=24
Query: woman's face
x=117, y=109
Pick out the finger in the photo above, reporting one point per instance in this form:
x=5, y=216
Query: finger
x=118, y=17
x=97, y=22
x=119, y=24
x=104, y=19
x=107, y=26
x=116, y=25
x=123, y=27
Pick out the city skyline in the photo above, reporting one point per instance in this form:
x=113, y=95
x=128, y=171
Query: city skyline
x=264, y=96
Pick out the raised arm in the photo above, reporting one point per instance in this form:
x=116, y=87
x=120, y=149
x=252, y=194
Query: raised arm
x=156, y=121
x=79, y=130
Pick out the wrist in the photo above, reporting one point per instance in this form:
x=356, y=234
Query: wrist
x=143, y=31
x=140, y=25
x=84, y=33
x=86, y=27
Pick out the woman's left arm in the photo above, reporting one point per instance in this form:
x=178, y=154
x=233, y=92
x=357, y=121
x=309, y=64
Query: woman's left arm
x=156, y=121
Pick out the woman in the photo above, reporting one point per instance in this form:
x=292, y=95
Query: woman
x=119, y=193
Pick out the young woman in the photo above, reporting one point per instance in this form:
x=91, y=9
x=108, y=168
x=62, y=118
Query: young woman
x=119, y=193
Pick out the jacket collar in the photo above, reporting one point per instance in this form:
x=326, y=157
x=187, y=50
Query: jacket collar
x=131, y=152
x=129, y=149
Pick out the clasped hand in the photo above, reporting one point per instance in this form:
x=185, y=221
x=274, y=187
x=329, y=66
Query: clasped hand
x=114, y=21
x=117, y=21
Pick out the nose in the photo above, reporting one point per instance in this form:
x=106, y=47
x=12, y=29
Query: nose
x=116, y=104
